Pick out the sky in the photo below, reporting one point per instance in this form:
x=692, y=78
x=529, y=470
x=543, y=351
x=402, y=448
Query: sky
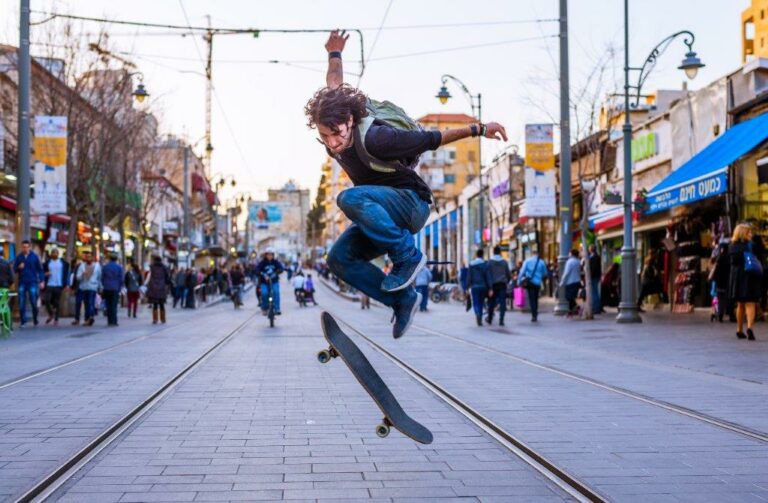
x=506, y=50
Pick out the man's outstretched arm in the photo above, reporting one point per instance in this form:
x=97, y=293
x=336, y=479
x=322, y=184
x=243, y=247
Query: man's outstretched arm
x=493, y=130
x=335, y=46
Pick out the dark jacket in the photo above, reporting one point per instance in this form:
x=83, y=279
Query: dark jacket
x=722, y=275
x=742, y=287
x=479, y=276
x=64, y=272
x=112, y=276
x=237, y=278
x=498, y=270
x=269, y=268
x=159, y=280
x=32, y=271
x=132, y=281
x=6, y=273
x=595, y=266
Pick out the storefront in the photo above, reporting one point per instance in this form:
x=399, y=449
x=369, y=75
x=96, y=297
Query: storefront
x=696, y=196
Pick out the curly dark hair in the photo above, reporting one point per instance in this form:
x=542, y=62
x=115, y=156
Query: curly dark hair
x=332, y=107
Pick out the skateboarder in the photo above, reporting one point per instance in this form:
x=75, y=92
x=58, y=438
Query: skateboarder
x=389, y=202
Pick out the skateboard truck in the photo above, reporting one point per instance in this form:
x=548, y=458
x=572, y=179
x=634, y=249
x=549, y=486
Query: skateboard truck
x=325, y=355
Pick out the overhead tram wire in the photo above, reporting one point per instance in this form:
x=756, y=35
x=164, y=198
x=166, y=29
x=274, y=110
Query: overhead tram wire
x=202, y=29
x=376, y=38
x=323, y=62
x=386, y=28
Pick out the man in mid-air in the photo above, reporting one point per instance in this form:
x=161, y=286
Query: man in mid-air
x=389, y=202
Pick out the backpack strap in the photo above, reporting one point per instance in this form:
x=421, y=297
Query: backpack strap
x=360, y=131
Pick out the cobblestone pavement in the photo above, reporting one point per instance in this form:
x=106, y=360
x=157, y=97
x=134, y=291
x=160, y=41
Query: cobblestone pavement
x=627, y=449
x=45, y=419
x=262, y=420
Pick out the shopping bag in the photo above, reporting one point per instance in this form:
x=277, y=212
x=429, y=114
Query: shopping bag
x=519, y=297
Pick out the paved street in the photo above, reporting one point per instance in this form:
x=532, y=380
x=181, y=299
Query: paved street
x=262, y=420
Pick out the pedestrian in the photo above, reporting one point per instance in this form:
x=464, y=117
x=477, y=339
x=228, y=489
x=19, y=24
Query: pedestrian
x=179, y=281
x=112, y=279
x=421, y=283
x=158, y=281
x=595, y=274
x=571, y=281
x=498, y=270
x=389, y=202
x=30, y=277
x=88, y=277
x=56, y=273
x=133, y=288
x=744, y=285
x=309, y=289
x=74, y=286
x=189, y=288
x=650, y=281
x=532, y=274
x=721, y=276
x=6, y=274
x=479, y=285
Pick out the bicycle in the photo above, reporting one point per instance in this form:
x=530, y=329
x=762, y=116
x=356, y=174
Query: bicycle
x=6, y=326
x=237, y=296
x=442, y=292
x=270, y=302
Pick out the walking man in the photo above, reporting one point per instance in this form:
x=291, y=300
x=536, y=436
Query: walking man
x=421, y=283
x=112, y=278
x=479, y=285
x=56, y=273
x=595, y=274
x=531, y=277
x=30, y=273
x=571, y=281
x=498, y=270
x=88, y=277
x=378, y=146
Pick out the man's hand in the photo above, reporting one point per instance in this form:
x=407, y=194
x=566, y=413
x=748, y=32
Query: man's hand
x=336, y=41
x=495, y=131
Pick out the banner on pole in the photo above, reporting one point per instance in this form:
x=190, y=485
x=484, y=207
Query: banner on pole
x=539, y=151
x=50, y=145
x=540, y=196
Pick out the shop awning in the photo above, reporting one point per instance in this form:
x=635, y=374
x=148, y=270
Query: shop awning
x=704, y=175
x=613, y=217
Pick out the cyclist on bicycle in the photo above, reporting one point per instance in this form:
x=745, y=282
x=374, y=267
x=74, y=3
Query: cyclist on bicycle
x=269, y=270
x=237, y=284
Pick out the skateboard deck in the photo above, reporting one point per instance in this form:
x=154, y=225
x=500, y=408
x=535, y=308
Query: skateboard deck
x=394, y=415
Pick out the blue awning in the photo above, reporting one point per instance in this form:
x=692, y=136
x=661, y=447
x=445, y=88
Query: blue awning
x=704, y=175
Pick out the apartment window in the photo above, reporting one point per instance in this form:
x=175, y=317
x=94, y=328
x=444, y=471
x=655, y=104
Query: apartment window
x=452, y=155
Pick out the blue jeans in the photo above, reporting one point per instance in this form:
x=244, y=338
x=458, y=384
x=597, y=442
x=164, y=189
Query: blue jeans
x=594, y=284
x=384, y=221
x=112, y=298
x=89, y=299
x=479, y=293
x=424, y=291
x=275, y=296
x=78, y=303
x=31, y=290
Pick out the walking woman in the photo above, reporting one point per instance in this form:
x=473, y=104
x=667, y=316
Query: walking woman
x=745, y=281
x=132, y=286
x=158, y=281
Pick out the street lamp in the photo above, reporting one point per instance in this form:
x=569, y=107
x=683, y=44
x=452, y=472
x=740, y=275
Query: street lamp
x=140, y=93
x=628, y=312
x=476, y=103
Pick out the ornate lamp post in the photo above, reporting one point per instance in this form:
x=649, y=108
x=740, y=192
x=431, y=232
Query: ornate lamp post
x=628, y=312
x=476, y=104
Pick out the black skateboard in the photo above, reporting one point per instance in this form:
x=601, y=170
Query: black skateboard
x=394, y=415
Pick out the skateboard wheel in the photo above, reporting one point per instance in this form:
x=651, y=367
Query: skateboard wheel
x=324, y=356
x=382, y=430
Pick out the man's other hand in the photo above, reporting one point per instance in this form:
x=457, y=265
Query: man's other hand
x=495, y=131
